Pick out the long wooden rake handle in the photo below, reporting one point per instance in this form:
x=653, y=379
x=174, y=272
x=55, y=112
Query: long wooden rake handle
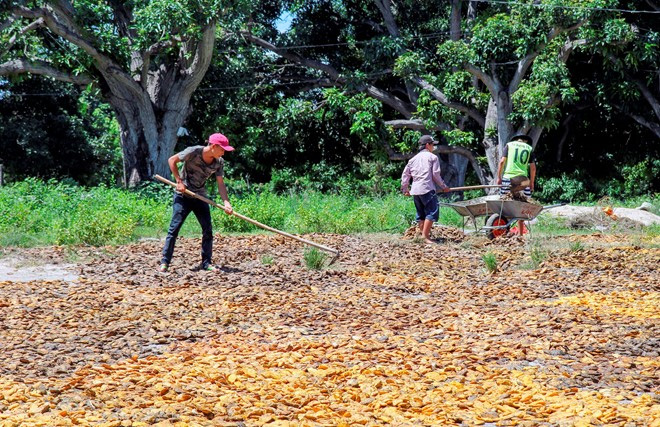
x=335, y=252
x=474, y=187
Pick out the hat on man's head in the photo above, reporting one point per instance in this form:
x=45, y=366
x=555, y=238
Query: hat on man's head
x=221, y=140
x=426, y=139
x=526, y=138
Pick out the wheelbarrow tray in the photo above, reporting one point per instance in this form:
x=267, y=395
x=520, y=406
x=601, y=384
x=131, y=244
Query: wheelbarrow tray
x=473, y=207
x=514, y=209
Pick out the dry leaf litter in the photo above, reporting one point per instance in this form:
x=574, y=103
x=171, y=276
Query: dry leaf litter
x=394, y=333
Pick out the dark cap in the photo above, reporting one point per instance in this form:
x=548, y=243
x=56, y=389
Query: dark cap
x=526, y=138
x=426, y=139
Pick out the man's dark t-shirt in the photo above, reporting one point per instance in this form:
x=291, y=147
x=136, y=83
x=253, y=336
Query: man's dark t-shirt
x=196, y=171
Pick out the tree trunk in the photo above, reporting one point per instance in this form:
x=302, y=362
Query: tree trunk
x=504, y=128
x=490, y=142
x=148, y=137
x=453, y=168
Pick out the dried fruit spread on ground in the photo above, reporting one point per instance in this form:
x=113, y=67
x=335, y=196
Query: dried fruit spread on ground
x=394, y=333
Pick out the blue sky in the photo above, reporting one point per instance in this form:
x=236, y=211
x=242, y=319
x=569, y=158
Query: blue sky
x=284, y=22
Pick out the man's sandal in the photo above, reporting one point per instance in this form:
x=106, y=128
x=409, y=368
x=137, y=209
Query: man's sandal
x=212, y=268
x=163, y=268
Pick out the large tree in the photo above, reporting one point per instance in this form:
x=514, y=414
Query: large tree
x=630, y=50
x=491, y=69
x=145, y=57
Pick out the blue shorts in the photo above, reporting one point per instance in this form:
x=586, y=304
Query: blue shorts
x=427, y=206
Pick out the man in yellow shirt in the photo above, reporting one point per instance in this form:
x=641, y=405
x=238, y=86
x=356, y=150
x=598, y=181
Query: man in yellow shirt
x=517, y=160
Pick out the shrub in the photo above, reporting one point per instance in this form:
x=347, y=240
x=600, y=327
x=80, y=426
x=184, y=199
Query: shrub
x=537, y=255
x=490, y=261
x=314, y=258
x=566, y=188
x=638, y=179
x=577, y=246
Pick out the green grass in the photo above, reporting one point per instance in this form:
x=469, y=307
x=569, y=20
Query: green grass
x=314, y=258
x=36, y=213
x=490, y=261
x=577, y=246
x=537, y=252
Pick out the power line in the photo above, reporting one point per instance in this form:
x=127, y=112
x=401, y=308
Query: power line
x=361, y=42
x=10, y=94
x=464, y=33
x=559, y=6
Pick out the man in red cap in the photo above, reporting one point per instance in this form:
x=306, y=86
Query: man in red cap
x=199, y=163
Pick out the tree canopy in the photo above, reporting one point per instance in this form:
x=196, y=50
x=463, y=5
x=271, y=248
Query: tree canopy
x=351, y=81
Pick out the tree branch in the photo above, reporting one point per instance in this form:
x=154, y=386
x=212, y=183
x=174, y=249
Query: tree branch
x=7, y=23
x=440, y=96
x=63, y=26
x=569, y=47
x=406, y=109
x=414, y=124
x=293, y=57
x=202, y=59
x=526, y=62
x=653, y=127
x=385, y=8
x=442, y=149
x=35, y=24
x=123, y=17
x=397, y=103
x=650, y=98
x=20, y=66
x=491, y=84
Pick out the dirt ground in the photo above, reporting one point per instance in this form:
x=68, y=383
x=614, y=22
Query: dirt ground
x=396, y=332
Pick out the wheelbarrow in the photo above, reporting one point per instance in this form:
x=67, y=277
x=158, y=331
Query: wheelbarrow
x=471, y=209
x=505, y=213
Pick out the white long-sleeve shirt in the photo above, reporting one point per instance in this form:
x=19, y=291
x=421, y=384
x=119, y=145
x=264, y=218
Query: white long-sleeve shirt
x=424, y=169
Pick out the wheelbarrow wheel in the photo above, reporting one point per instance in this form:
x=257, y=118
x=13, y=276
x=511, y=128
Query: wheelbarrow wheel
x=496, y=220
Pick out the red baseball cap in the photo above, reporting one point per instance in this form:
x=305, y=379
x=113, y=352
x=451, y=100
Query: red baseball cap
x=221, y=140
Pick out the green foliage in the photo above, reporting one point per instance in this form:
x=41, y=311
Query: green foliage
x=566, y=188
x=61, y=213
x=459, y=137
x=267, y=259
x=495, y=38
x=314, y=258
x=377, y=180
x=639, y=178
x=490, y=261
x=50, y=132
x=96, y=225
x=364, y=110
x=577, y=246
x=410, y=64
x=531, y=104
x=537, y=255
x=53, y=213
x=102, y=134
x=433, y=111
x=456, y=53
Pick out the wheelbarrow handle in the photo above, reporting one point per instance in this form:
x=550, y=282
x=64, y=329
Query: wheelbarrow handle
x=554, y=206
x=474, y=187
